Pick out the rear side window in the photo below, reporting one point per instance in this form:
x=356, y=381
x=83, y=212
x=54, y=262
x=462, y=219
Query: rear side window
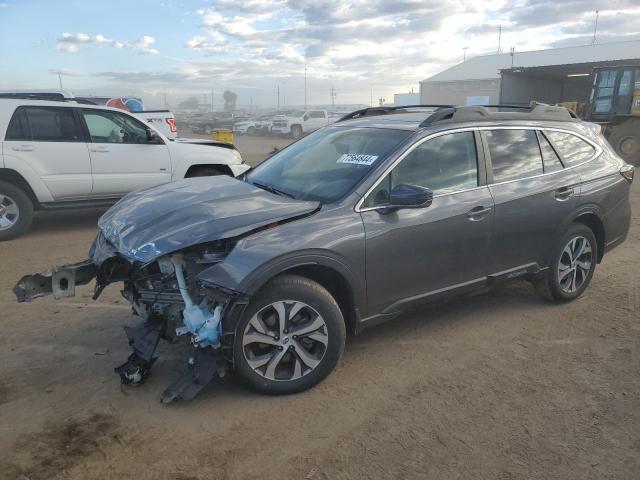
x=18, y=126
x=573, y=149
x=44, y=124
x=514, y=154
x=550, y=158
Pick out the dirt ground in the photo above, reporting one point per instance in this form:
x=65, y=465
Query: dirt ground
x=498, y=386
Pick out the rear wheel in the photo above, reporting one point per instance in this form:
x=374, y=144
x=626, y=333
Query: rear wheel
x=16, y=211
x=625, y=140
x=290, y=337
x=572, y=266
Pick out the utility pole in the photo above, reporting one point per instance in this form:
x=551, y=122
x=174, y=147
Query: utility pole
x=305, y=88
x=278, y=89
x=333, y=94
x=513, y=52
x=284, y=96
x=595, y=28
x=499, y=39
x=371, y=95
x=464, y=53
x=212, y=101
x=60, y=80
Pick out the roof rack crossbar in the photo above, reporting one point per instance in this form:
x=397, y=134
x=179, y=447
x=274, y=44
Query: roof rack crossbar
x=383, y=110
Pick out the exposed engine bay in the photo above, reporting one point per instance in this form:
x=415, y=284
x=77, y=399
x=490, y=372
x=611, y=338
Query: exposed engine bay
x=169, y=300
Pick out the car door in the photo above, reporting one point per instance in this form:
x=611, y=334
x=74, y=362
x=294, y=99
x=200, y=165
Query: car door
x=49, y=140
x=414, y=254
x=532, y=198
x=317, y=119
x=123, y=158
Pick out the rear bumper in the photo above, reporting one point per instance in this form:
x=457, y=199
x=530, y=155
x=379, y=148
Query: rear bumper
x=58, y=281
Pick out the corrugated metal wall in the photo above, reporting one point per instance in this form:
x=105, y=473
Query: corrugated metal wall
x=456, y=93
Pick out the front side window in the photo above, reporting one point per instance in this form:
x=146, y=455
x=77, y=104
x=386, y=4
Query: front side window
x=443, y=164
x=514, y=154
x=327, y=164
x=316, y=114
x=573, y=149
x=44, y=124
x=112, y=127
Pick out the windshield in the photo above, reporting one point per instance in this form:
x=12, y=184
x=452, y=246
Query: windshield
x=327, y=164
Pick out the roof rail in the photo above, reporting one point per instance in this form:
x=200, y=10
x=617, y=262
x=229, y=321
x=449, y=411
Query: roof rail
x=373, y=111
x=481, y=112
x=49, y=97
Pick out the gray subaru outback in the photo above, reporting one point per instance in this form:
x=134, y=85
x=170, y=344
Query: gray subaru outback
x=349, y=227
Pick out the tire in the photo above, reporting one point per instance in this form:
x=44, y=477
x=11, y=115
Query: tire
x=251, y=131
x=558, y=285
x=296, y=131
x=625, y=140
x=16, y=211
x=204, y=172
x=289, y=363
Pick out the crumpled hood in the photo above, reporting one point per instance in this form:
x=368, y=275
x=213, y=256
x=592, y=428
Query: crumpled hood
x=150, y=223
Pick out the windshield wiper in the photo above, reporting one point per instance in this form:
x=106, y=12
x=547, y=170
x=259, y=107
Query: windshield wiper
x=272, y=189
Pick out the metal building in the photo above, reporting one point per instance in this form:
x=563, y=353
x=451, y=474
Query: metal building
x=548, y=76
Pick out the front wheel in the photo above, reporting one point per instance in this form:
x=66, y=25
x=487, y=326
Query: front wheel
x=296, y=131
x=625, y=140
x=572, y=266
x=16, y=211
x=290, y=337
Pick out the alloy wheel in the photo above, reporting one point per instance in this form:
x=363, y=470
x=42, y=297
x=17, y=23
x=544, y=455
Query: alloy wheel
x=575, y=264
x=9, y=212
x=285, y=340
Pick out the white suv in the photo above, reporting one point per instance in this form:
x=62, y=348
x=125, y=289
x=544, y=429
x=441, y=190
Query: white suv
x=57, y=154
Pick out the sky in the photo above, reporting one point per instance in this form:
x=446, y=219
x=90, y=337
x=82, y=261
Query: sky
x=166, y=50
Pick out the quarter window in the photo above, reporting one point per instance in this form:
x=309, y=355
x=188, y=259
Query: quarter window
x=550, y=158
x=44, y=124
x=514, y=154
x=573, y=149
x=444, y=164
x=112, y=127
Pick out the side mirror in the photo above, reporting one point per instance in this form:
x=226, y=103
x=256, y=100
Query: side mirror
x=410, y=196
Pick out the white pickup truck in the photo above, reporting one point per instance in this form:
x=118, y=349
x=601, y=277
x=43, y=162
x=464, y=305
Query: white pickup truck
x=64, y=154
x=298, y=123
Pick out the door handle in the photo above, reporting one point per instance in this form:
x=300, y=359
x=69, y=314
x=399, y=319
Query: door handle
x=478, y=213
x=99, y=149
x=23, y=148
x=564, y=193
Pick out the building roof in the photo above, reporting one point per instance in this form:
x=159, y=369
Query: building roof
x=488, y=66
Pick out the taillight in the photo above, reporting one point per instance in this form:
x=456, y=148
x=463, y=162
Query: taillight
x=628, y=172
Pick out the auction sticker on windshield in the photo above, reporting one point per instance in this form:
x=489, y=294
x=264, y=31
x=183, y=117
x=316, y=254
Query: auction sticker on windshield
x=357, y=159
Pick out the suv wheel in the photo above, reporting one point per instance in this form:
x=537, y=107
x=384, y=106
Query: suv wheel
x=290, y=337
x=16, y=211
x=296, y=131
x=572, y=266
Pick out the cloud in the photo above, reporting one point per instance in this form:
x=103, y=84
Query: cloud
x=70, y=43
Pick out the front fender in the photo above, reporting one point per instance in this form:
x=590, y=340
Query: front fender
x=241, y=273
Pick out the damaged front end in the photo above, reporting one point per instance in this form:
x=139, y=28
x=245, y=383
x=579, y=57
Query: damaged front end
x=157, y=242
x=169, y=299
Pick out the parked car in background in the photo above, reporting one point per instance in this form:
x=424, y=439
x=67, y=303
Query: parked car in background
x=299, y=122
x=207, y=123
x=381, y=212
x=59, y=154
x=254, y=126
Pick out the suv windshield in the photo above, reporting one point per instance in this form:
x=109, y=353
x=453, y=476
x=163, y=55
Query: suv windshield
x=327, y=164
